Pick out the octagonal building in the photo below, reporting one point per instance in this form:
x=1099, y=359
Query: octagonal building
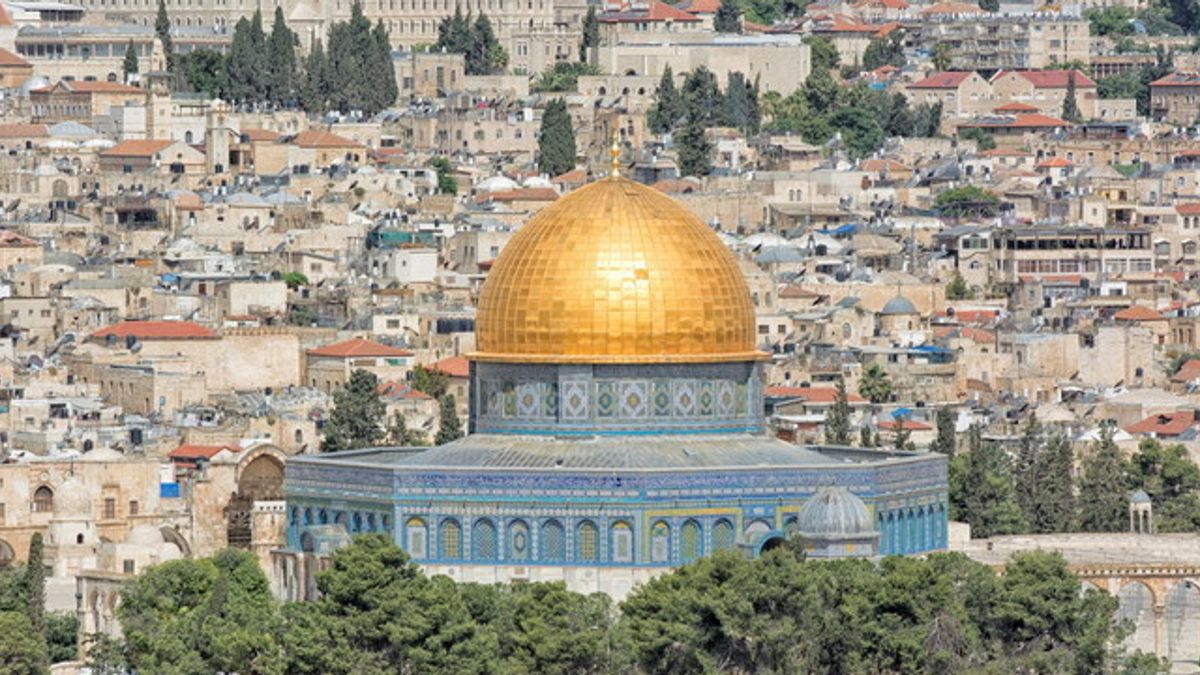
x=616, y=426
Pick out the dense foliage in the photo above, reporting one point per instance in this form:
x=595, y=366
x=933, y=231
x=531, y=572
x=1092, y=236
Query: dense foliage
x=378, y=613
x=564, y=76
x=357, y=419
x=556, y=140
x=698, y=105
x=475, y=40
x=30, y=639
x=967, y=199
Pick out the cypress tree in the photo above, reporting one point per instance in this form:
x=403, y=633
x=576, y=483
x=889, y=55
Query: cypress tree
x=945, y=442
x=556, y=140
x=357, y=417
x=130, y=65
x=454, y=34
x=383, y=73
x=1070, y=110
x=865, y=438
x=1102, y=502
x=667, y=108
x=728, y=18
x=281, y=59
x=741, y=104
x=984, y=496
x=481, y=46
x=162, y=28
x=1025, y=472
x=35, y=584
x=1054, y=506
x=352, y=48
x=694, y=149
x=702, y=97
x=837, y=420
x=449, y=426
x=591, y=34
x=313, y=92
x=902, y=439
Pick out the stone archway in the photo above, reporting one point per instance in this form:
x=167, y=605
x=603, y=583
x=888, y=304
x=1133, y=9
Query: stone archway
x=7, y=555
x=1136, y=604
x=1182, y=624
x=260, y=478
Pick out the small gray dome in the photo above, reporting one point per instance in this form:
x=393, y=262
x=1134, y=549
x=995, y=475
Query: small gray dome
x=834, y=512
x=1139, y=497
x=899, y=305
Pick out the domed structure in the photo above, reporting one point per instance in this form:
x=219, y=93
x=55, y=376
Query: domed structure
x=897, y=306
x=615, y=272
x=834, y=523
x=71, y=500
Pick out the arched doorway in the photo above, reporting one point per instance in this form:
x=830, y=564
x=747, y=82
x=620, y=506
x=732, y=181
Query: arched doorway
x=7, y=555
x=1183, y=627
x=1136, y=605
x=260, y=479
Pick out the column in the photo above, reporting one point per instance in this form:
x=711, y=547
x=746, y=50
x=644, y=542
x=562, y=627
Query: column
x=1160, y=630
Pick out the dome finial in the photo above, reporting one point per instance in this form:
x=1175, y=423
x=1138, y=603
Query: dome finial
x=615, y=153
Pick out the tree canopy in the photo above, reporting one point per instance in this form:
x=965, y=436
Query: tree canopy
x=556, y=140
x=358, y=415
x=475, y=40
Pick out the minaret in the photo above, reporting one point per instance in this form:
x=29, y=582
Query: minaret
x=218, y=128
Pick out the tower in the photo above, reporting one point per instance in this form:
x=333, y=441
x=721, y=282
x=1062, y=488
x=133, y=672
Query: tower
x=219, y=129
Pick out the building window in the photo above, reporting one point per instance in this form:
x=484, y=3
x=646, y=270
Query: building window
x=554, y=541
x=518, y=540
x=692, y=541
x=588, y=540
x=660, y=542
x=450, y=539
x=127, y=566
x=43, y=500
x=110, y=508
x=416, y=535
x=483, y=540
x=622, y=542
x=723, y=535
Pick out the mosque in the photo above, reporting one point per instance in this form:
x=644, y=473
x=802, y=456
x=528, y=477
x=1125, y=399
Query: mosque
x=616, y=427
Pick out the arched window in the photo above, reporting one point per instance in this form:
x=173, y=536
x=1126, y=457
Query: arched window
x=723, y=538
x=450, y=540
x=622, y=542
x=43, y=500
x=691, y=539
x=357, y=523
x=756, y=531
x=554, y=541
x=518, y=540
x=308, y=518
x=587, y=541
x=483, y=540
x=7, y=555
x=660, y=542
x=415, y=535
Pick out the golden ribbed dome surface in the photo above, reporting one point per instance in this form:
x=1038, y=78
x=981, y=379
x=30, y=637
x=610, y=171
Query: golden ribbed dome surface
x=615, y=272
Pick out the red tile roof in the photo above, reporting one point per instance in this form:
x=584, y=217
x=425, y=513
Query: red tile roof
x=1165, y=424
x=139, y=148
x=1138, y=313
x=949, y=79
x=10, y=239
x=156, y=330
x=812, y=394
x=1188, y=209
x=1015, y=107
x=1187, y=372
x=1050, y=79
x=700, y=6
x=657, y=11
x=1178, y=79
x=572, y=176
x=8, y=58
x=358, y=347
x=1054, y=163
x=401, y=390
x=454, y=366
x=879, y=165
x=259, y=135
x=319, y=138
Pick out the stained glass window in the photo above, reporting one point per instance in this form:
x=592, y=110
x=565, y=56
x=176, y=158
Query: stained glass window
x=416, y=535
x=450, y=539
x=692, y=540
x=660, y=542
x=588, y=540
x=483, y=540
x=723, y=535
x=622, y=542
x=518, y=540
x=554, y=541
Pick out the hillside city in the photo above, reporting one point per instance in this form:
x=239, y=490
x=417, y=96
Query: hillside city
x=599, y=336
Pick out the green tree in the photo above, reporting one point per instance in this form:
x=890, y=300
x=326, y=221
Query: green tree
x=875, y=385
x=356, y=73
x=564, y=76
x=694, y=148
x=885, y=51
x=62, y=633
x=668, y=105
x=1070, y=109
x=430, y=381
x=590, y=38
x=202, y=616
x=860, y=130
x=837, y=420
x=398, y=433
x=989, y=5
x=383, y=89
x=981, y=490
x=902, y=435
x=1054, y=507
x=941, y=56
x=701, y=97
x=965, y=200
x=823, y=55
x=162, y=29
x=946, y=441
x=728, y=18
x=475, y=40
x=1171, y=478
x=1102, y=499
x=22, y=647
x=281, y=61
x=449, y=426
x=446, y=182
x=740, y=107
x=1025, y=468
x=927, y=120
x=105, y=655
x=203, y=70
x=821, y=91
x=35, y=584
x=1112, y=21
x=983, y=140
x=357, y=417
x=314, y=91
x=246, y=63
x=130, y=65
x=294, y=280
x=958, y=289
x=866, y=438
x=556, y=140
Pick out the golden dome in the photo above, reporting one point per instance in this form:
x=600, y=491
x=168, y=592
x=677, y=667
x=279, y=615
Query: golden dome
x=615, y=272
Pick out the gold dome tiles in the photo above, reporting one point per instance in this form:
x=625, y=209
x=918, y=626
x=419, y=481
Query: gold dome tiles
x=615, y=272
